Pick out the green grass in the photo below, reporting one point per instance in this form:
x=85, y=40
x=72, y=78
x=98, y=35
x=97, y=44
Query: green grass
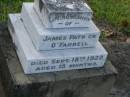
x=115, y=12
x=9, y=6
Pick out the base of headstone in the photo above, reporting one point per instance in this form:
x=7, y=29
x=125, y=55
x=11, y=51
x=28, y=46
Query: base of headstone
x=34, y=61
x=76, y=83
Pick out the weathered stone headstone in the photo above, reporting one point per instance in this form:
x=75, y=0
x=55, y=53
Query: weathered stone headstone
x=44, y=49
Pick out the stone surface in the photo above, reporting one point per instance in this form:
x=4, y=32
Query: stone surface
x=95, y=82
x=56, y=60
x=63, y=13
x=48, y=39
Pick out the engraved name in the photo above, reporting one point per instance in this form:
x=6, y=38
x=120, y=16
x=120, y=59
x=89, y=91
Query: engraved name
x=68, y=41
x=70, y=37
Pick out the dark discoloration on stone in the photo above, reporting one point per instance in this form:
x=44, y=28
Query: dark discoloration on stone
x=2, y=93
x=67, y=93
x=40, y=5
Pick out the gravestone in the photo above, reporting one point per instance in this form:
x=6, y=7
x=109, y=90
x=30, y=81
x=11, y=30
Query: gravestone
x=54, y=60
x=43, y=49
x=59, y=53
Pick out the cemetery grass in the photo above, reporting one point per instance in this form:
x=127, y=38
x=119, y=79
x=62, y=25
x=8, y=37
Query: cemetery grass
x=115, y=13
x=10, y=6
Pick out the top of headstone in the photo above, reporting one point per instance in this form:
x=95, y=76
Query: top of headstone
x=67, y=5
